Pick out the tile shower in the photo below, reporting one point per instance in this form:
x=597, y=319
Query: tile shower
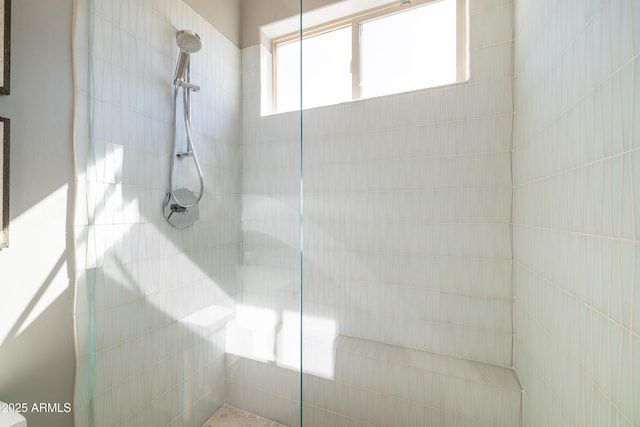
x=154, y=362
x=433, y=222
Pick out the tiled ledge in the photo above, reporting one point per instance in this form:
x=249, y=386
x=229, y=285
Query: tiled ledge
x=356, y=350
x=376, y=384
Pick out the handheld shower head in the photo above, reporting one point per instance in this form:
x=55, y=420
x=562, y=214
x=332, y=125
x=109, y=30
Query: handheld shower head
x=188, y=42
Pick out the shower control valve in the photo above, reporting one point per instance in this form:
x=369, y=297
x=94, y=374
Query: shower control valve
x=176, y=208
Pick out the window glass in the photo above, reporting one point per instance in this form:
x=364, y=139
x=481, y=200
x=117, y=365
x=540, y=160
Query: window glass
x=326, y=70
x=409, y=50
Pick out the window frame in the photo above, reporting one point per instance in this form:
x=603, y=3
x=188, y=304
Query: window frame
x=354, y=21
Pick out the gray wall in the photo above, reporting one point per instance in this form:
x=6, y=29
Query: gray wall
x=36, y=302
x=240, y=20
x=256, y=13
x=224, y=15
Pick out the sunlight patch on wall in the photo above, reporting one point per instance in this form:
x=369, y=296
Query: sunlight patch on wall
x=259, y=334
x=34, y=233
x=318, y=356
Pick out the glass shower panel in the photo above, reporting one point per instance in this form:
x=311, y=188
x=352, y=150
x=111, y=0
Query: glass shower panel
x=406, y=284
x=263, y=340
x=172, y=324
x=350, y=264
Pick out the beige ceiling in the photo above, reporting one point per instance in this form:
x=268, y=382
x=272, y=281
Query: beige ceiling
x=240, y=20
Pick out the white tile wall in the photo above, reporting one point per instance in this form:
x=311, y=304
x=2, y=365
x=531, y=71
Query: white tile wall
x=576, y=228
x=407, y=211
x=410, y=193
x=153, y=365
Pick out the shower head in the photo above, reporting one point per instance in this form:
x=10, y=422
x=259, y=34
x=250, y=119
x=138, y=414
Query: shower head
x=188, y=42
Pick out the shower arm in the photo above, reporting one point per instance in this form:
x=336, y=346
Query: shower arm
x=186, y=108
x=187, y=85
x=187, y=119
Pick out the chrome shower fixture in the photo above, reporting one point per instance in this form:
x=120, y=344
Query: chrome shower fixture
x=188, y=42
x=180, y=204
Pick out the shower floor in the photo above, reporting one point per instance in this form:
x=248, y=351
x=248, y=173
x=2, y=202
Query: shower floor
x=229, y=416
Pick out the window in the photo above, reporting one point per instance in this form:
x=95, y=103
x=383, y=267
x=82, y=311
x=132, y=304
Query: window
x=326, y=76
x=382, y=51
